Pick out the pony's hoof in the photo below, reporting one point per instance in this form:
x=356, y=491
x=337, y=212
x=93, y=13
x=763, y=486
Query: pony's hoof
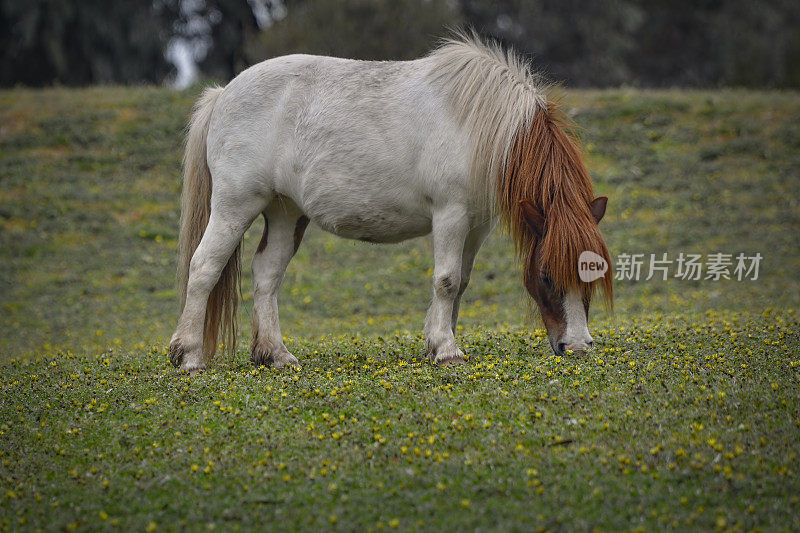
x=276, y=359
x=447, y=357
x=284, y=359
x=176, y=354
x=184, y=360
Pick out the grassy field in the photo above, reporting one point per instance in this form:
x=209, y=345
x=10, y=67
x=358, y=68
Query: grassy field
x=687, y=415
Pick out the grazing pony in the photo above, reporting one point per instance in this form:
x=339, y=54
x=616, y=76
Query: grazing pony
x=382, y=152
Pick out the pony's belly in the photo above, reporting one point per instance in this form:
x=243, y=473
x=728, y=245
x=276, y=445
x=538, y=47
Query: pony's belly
x=373, y=225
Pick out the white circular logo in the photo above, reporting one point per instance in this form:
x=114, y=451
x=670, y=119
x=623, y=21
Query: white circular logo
x=591, y=266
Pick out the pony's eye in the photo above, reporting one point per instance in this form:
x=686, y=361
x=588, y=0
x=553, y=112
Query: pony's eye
x=546, y=280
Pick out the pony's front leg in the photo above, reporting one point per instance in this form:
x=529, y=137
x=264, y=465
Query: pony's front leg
x=450, y=229
x=474, y=240
x=284, y=226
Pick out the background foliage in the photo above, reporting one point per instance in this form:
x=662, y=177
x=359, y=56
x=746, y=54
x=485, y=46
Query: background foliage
x=583, y=43
x=80, y=42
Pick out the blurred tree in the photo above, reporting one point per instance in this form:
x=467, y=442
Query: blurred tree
x=365, y=29
x=77, y=42
x=573, y=40
x=749, y=44
x=216, y=31
x=226, y=25
x=233, y=26
x=650, y=42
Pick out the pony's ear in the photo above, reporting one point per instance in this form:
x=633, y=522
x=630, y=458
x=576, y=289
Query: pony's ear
x=533, y=217
x=598, y=207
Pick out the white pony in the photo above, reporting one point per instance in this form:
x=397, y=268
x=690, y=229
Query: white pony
x=381, y=152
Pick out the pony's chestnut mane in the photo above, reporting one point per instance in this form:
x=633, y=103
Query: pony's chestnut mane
x=523, y=149
x=546, y=168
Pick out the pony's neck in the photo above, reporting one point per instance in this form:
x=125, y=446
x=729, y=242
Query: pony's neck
x=493, y=96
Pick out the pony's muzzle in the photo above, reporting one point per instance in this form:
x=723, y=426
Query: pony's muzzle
x=575, y=347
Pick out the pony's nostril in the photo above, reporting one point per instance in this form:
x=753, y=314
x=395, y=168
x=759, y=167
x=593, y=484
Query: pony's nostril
x=562, y=347
x=590, y=344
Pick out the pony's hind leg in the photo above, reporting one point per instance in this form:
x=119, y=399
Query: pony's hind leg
x=284, y=225
x=222, y=234
x=450, y=230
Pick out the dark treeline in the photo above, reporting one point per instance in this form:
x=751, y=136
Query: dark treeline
x=649, y=43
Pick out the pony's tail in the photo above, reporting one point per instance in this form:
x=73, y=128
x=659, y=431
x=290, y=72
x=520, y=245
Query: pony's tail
x=195, y=212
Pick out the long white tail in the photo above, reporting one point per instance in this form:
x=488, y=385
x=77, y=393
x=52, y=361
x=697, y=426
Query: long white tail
x=195, y=212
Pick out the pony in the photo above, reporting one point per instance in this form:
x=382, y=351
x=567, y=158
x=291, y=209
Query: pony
x=447, y=144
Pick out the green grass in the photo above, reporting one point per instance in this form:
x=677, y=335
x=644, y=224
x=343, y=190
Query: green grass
x=674, y=423
x=686, y=416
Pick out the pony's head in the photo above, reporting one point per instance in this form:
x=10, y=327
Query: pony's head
x=563, y=301
x=546, y=195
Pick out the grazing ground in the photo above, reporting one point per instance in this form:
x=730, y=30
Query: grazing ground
x=686, y=415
